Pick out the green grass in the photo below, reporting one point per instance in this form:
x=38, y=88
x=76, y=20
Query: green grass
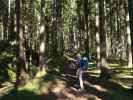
x=37, y=87
x=33, y=90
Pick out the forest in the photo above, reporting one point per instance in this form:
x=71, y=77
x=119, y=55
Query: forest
x=43, y=44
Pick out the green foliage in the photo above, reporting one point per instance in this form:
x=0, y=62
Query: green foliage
x=11, y=73
x=73, y=31
x=32, y=70
x=8, y=73
x=52, y=80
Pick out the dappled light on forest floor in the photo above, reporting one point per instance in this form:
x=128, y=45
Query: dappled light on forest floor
x=97, y=87
x=5, y=88
x=60, y=82
x=62, y=92
x=21, y=95
x=66, y=49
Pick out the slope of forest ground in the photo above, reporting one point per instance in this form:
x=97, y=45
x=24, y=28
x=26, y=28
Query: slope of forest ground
x=32, y=30
x=59, y=82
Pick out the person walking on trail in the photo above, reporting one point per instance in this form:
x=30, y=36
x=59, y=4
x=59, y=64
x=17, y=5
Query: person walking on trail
x=82, y=63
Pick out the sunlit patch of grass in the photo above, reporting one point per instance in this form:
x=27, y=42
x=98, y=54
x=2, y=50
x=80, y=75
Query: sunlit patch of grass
x=127, y=70
x=39, y=84
x=113, y=65
x=94, y=75
x=6, y=87
x=35, y=86
x=94, y=71
x=31, y=85
x=122, y=75
x=126, y=85
x=41, y=73
x=92, y=65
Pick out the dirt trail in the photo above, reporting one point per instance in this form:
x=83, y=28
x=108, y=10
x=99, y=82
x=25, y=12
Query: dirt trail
x=67, y=88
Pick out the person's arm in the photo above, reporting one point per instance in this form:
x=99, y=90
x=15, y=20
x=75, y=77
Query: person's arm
x=69, y=58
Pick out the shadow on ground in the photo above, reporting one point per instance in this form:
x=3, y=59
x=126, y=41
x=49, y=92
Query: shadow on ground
x=26, y=95
x=64, y=85
x=95, y=88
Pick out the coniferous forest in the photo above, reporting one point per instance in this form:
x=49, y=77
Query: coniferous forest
x=66, y=49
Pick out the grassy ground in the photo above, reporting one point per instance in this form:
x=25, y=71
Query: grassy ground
x=59, y=82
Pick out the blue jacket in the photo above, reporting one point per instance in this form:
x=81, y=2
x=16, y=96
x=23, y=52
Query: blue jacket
x=83, y=62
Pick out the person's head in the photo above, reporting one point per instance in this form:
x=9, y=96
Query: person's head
x=85, y=58
x=78, y=56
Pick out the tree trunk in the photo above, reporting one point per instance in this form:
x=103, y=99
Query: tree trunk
x=103, y=65
x=21, y=68
x=128, y=40
x=5, y=23
x=97, y=34
x=59, y=26
x=1, y=28
x=130, y=9
x=42, y=36
x=54, y=29
x=87, y=32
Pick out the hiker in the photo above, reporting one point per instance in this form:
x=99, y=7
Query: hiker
x=82, y=63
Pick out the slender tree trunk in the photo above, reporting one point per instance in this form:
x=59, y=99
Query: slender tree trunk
x=9, y=19
x=11, y=35
x=97, y=34
x=112, y=24
x=128, y=40
x=59, y=26
x=130, y=9
x=42, y=36
x=80, y=25
x=87, y=32
x=54, y=29
x=103, y=57
x=5, y=23
x=21, y=68
x=1, y=28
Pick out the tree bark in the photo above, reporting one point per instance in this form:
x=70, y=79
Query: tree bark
x=87, y=32
x=21, y=68
x=128, y=39
x=42, y=36
x=97, y=33
x=54, y=29
x=103, y=57
x=130, y=9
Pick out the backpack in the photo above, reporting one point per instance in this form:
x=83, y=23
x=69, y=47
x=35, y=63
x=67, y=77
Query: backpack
x=83, y=63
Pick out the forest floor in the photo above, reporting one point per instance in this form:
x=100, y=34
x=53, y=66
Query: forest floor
x=59, y=82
